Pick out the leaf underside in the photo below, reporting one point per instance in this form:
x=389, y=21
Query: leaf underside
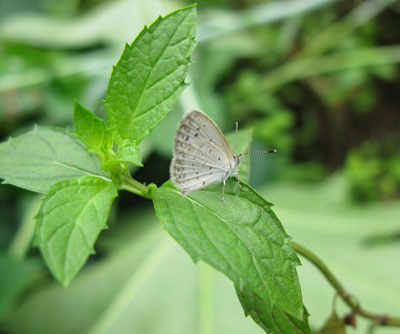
x=243, y=239
x=149, y=77
x=70, y=218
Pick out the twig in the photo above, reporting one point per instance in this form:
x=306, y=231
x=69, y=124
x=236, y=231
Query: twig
x=381, y=319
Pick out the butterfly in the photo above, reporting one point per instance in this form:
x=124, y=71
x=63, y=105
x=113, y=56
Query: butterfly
x=202, y=154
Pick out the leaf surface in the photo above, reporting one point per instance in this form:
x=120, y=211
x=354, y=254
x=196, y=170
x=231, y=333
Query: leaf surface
x=271, y=318
x=70, y=218
x=243, y=239
x=44, y=156
x=93, y=132
x=128, y=152
x=149, y=77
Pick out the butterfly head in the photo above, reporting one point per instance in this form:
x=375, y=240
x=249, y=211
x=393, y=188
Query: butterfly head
x=238, y=158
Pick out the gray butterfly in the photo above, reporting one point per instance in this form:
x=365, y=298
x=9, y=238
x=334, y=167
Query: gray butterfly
x=202, y=155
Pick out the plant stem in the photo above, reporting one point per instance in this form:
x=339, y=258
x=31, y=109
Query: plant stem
x=135, y=187
x=381, y=319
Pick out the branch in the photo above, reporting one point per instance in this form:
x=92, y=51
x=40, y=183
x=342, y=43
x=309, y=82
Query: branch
x=381, y=319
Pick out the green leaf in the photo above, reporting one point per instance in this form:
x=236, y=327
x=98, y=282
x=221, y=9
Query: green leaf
x=38, y=159
x=271, y=318
x=243, y=239
x=149, y=77
x=333, y=325
x=16, y=275
x=70, y=218
x=93, y=132
x=128, y=152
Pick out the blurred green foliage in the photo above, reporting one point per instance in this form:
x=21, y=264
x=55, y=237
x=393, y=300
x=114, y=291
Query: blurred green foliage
x=373, y=170
x=320, y=85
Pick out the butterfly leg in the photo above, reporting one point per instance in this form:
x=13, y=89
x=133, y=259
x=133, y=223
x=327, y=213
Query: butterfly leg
x=238, y=180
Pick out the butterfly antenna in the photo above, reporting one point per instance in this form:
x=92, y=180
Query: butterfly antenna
x=236, y=135
x=261, y=152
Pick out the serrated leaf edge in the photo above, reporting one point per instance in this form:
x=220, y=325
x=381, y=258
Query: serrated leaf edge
x=56, y=187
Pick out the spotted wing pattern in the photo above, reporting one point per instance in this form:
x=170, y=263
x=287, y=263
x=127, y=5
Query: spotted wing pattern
x=201, y=153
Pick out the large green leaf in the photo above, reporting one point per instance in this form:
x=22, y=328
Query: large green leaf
x=243, y=239
x=70, y=218
x=38, y=159
x=149, y=77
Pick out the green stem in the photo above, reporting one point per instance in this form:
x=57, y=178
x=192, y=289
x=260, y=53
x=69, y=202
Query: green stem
x=382, y=319
x=135, y=187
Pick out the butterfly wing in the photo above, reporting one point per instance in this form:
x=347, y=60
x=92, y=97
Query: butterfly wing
x=201, y=153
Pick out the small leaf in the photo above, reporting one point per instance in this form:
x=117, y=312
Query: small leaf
x=243, y=239
x=244, y=138
x=37, y=159
x=128, y=152
x=70, y=218
x=149, y=77
x=271, y=318
x=333, y=325
x=93, y=132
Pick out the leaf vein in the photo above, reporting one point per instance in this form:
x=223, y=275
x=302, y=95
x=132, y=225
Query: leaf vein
x=150, y=72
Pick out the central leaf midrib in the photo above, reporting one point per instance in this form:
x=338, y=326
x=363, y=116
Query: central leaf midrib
x=227, y=225
x=79, y=169
x=75, y=223
x=149, y=74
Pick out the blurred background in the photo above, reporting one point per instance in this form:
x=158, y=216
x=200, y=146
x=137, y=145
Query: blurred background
x=318, y=80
